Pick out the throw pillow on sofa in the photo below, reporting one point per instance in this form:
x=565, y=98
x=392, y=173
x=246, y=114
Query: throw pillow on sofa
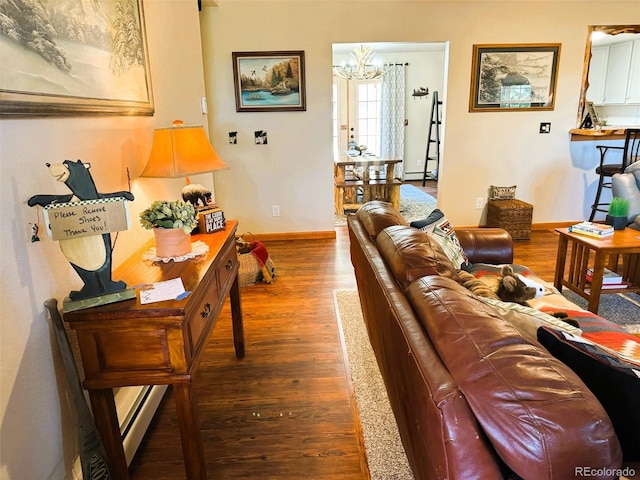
x=614, y=382
x=627, y=185
x=441, y=230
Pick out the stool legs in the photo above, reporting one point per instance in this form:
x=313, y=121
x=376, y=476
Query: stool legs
x=596, y=201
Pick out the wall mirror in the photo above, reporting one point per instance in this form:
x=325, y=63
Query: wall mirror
x=601, y=35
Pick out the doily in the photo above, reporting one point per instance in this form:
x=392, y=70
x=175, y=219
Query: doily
x=197, y=248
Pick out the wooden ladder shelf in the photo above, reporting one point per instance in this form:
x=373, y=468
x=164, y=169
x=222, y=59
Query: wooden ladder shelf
x=433, y=138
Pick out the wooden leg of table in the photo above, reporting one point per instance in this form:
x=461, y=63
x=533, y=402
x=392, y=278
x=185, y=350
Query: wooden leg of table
x=106, y=419
x=339, y=200
x=560, y=262
x=192, y=447
x=596, y=282
x=236, y=318
x=395, y=196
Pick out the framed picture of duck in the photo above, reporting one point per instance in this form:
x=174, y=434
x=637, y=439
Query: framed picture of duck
x=269, y=81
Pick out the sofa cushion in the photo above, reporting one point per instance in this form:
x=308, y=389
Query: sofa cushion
x=537, y=413
x=626, y=185
x=410, y=254
x=437, y=225
x=376, y=216
x=615, y=382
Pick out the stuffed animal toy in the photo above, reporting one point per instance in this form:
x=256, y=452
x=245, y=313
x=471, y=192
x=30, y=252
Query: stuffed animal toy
x=512, y=289
x=530, y=283
x=89, y=256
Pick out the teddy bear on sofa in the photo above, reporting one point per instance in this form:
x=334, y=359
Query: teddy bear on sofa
x=512, y=289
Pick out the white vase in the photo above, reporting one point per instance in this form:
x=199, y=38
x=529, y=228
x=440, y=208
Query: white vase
x=172, y=242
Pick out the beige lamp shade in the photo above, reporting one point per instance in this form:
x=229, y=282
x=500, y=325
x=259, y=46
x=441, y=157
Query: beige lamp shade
x=181, y=150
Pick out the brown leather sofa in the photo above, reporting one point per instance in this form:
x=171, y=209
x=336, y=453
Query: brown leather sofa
x=472, y=396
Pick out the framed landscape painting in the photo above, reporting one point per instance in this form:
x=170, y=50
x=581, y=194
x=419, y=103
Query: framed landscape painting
x=88, y=58
x=514, y=77
x=269, y=81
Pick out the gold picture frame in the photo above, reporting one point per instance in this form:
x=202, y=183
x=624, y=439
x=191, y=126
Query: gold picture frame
x=514, y=77
x=269, y=81
x=81, y=63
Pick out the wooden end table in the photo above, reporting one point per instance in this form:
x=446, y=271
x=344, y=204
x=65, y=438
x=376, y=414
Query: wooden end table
x=619, y=252
x=128, y=343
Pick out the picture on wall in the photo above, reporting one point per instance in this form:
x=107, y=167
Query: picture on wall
x=514, y=77
x=269, y=81
x=74, y=58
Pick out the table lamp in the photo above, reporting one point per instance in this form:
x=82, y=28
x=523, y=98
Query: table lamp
x=181, y=150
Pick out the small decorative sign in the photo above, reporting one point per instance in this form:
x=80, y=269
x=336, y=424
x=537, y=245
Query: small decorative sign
x=211, y=220
x=85, y=218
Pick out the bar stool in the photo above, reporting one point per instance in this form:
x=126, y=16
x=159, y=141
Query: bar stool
x=630, y=154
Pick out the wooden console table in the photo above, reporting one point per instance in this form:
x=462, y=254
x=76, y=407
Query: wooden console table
x=351, y=190
x=127, y=343
x=619, y=252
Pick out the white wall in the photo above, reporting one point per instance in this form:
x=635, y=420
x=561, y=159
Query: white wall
x=480, y=149
x=37, y=430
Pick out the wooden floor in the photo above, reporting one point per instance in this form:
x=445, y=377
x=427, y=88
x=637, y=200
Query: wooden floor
x=285, y=410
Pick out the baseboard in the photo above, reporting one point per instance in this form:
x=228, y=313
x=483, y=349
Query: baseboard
x=321, y=235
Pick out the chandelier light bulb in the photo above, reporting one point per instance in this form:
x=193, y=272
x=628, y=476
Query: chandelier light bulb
x=361, y=67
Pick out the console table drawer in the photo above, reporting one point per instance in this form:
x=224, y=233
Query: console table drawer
x=118, y=353
x=228, y=265
x=206, y=303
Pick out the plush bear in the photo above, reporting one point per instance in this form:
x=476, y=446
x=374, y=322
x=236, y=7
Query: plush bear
x=89, y=256
x=512, y=289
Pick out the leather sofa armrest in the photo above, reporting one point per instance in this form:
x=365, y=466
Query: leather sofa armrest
x=486, y=245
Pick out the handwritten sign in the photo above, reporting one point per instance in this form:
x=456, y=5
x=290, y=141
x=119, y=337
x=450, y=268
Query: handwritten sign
x=211, y=220
x=82, y=219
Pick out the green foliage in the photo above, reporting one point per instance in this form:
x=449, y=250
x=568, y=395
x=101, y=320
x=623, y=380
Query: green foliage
x=169, y=214
x=619, y=207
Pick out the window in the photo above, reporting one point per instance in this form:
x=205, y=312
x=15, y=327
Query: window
x=369, y=102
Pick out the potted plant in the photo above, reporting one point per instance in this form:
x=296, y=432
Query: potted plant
x=618, y=212
x=172, y=223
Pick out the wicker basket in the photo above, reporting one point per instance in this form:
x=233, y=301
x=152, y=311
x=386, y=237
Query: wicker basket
x=512, y=215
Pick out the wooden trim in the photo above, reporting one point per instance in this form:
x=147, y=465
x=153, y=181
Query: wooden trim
x=320, y=235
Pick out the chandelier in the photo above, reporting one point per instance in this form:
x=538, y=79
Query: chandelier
x=360, y=68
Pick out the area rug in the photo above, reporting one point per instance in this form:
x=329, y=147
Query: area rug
x=385, y=453
x=415, y=204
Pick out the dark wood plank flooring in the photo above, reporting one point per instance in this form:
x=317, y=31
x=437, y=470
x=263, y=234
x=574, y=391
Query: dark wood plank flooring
x=285, y=411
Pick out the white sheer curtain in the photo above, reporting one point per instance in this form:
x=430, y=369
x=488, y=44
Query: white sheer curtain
x=393, y=114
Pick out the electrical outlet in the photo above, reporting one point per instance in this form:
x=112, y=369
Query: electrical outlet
x=479, y=203
x=545, y=127
x=275, y=210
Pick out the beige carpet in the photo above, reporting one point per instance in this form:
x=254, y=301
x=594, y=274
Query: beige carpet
x=385, y=453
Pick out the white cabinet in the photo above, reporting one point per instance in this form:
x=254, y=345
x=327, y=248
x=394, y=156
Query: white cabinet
x=597, y=73
x=633, y=89
x=617, y=78
x=614, y=74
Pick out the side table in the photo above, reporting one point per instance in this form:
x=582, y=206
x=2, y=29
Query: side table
x=619, y=252
x=127, y=343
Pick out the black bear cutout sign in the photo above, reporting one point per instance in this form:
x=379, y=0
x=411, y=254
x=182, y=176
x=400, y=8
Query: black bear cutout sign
x=84, y=220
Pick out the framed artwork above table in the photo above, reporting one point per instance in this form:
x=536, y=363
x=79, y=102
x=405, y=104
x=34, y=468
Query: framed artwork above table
x=80, y=60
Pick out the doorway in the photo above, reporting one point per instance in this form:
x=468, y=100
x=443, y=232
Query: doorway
x=426, y=68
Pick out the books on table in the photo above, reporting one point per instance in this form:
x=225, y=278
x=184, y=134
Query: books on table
x=609, y=279
x=597, y=230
